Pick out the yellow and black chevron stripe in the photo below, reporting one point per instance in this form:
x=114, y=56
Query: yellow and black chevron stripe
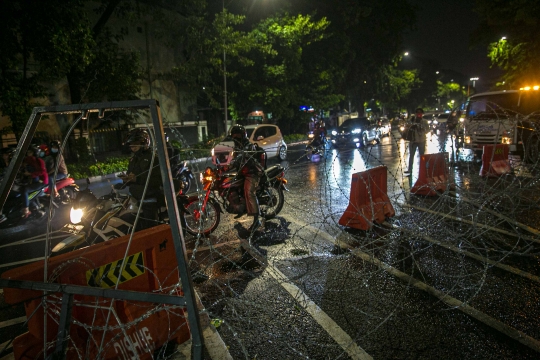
x=107, y=276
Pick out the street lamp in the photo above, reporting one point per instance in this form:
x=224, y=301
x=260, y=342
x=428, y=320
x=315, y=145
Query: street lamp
x=473, y=79
x=225, y=78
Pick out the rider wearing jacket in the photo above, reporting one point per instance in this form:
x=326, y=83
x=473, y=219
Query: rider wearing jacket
x=139, y=165
x=246, y=162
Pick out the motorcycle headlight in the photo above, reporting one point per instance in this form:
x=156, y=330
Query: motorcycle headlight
x=75, y=215
x=212, y=151
x=334, y=132
x=506, y=140
x=467, y=139
x=207, y=176
x=402, y=128
x=310, y=136
x=435, y=122
x=356, y=131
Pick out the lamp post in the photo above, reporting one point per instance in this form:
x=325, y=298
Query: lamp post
x=473, y=79
x=225, y=77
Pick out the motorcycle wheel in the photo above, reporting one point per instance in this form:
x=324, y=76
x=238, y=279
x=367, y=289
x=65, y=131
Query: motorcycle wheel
x=273, y=200
x=201, y=223
x=309, y=152
x=185, y=183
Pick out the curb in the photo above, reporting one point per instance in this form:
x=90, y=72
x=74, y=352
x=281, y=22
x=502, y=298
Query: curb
x=99, y=178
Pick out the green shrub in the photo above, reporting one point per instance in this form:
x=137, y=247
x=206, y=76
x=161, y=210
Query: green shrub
x=292, y=138
x=112, y=165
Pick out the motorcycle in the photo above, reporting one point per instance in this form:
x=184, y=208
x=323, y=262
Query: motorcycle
x=66, y=189
x=316, y=147
x=15, y=204
x=183, y=175
x=109, y=217
x=225, y=190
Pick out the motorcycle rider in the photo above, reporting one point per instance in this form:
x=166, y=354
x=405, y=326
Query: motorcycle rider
x=58, y=160
x=251, y=169
x=34, y=168
x=137, y=172
x=319, y=134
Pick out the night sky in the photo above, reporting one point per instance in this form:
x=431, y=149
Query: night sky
x=443, y=29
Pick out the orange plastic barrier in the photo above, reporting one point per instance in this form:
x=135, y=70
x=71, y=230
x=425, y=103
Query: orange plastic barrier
x=433, y=175
x=369, y=201
x=134, y=329
x=495, y=160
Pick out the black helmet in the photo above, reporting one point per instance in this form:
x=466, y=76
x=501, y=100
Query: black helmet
x=419, y=110
x=84, y=200
x=238, y=130
x=54, y=143
x=34, y=149
x=138, y=137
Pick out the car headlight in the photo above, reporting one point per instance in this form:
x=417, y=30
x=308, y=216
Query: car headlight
x=356, y=131
x=334, y=132
x=75, y=215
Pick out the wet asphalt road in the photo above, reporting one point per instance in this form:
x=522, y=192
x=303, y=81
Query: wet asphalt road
x=411, y=288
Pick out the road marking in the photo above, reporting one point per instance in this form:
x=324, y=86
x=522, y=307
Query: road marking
x=508, y=268
x=472, y=223
x=33, y=240
x=21, y=262
x=453, y=302
x=325, y=321
x=11, y=322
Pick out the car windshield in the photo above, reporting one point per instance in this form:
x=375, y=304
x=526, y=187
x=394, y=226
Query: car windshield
x=248, y=131
x=351, y=124
x=525, y=103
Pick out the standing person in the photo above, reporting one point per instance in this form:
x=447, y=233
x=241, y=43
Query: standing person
x=247, y=164
x=419, y=128
x=452, y=130
x=35, y=169
x=58, y=161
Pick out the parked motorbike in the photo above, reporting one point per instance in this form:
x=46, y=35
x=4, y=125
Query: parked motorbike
x=183, y=175
x=225, y=190
x=66, y=189
x=94, y=220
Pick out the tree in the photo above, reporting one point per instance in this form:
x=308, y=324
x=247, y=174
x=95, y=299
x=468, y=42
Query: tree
x=509, y=28
x=47, y=41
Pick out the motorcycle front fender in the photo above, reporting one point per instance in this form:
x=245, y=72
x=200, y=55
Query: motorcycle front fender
x=212, y=200
x=70, y=241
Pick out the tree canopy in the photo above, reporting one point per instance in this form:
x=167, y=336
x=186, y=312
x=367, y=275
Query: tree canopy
x=509, y=28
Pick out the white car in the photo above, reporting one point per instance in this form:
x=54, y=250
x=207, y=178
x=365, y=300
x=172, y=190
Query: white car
x=266, y=136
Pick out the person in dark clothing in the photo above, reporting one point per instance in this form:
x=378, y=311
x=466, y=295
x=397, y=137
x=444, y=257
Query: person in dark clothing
x=7, y=155
x=452, y=130
x=418, y=126
x=58, y=160
x=139, y=165
x=247, y=163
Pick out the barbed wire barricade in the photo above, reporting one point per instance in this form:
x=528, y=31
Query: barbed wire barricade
x=451, y=274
